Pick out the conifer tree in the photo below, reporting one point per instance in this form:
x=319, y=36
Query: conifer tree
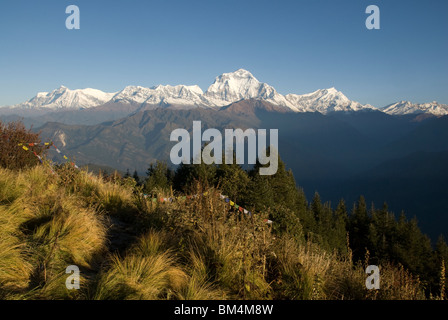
x=359, y=229
x=340, y=219
x=186, y=175
x=306, y=216
x=316, y=207
x=270, y=190
x=442, y=260
x=382, y=233
x=159, y=178
x=441, y=249
x=321, y=227
x=279, y=194
x=136, y=177
x=233, y=181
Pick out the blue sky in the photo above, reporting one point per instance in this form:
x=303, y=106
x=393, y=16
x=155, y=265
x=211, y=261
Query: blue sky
x=295, y=46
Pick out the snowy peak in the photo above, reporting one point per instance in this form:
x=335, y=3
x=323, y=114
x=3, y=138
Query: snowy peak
x=242, y=85
x=160, y=95
x=332, y=94
x=327, y=95
x=64, y=98
x=225, y=90
x=407, y=107
x=132, y=94
x=231, y=87
x=325, y=101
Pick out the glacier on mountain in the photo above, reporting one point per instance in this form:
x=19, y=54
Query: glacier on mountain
x=225, y=90
x=407, y=107
x=64, y=98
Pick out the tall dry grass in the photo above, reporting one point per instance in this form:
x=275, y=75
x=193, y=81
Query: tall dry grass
x=44, y=230
x=195, y=248
x=228, y=246
x=147, y=272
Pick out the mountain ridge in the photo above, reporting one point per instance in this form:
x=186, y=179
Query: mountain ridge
x=64, y=98
x=407, y=107
x=225, y=90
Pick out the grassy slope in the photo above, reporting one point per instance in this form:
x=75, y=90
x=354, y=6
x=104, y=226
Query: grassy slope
x=129, y=247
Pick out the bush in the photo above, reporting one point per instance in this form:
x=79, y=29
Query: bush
x=13, y=156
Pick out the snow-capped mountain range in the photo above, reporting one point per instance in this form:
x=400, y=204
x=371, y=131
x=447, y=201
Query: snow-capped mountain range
x=406, y=107
x=64, y=98
x=226, y=89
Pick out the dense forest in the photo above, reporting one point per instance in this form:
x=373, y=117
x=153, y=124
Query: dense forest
x=371, y=233
x=170, y=235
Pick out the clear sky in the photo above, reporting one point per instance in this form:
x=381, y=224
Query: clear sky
x=295, y=46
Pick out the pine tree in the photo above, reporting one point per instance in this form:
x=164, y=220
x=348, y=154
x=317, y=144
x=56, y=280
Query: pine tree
x=321, y=226
x=413, y=250
x=441, y=249
x=127, y=174
x=442, y=259
x=159, y=178
x=260, y=193
x=330, y=227
x=278, y=193
x=187, y=175
x=182, y=177
x=382, y=233
x=271, y=190
x=316, y=208
x=136, y=177
x=305, y=215
x=359, y=229
x=340, y=220
x=341, y=212
x=233, y=181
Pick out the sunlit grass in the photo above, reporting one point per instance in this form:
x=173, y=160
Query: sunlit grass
x=194, y=248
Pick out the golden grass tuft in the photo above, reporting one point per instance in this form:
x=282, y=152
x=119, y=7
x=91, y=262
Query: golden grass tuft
x=140, y=278
x=198, y=286
x=111, y=196
x=74, y=233
x=43, y=230
x=15, y=270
